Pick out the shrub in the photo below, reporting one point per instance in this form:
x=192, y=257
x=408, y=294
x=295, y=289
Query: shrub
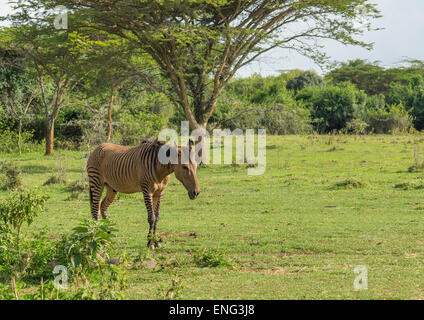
x=20, y=207
x=18, y=256
x=286, y=119
x=60, y=176
x=12, y=176
x=210, y=258
x=409, y=93
x=356, y=126
x=30, y=260
x=334, y=106
x=90, y=243
x=9, y=140
x=86, y=253
x=133, y=127
x=304, y=80
x=286, y=116
x=174, y=292
x=393, y=118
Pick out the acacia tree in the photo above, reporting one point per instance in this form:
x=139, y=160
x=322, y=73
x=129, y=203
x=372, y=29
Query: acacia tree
x=117, y=62
x=200, y=45
x=59, y=57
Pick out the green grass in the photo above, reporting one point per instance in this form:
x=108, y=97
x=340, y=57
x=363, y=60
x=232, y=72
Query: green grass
x=324, y=205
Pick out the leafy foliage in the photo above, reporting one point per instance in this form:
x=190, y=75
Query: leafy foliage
x=12, y=176
x=19, y=208
x=207, y=257
x=90, y=243
x=334, y=106
x=304, y=80
x=200, y=45
x=22, y=257
x=389, y=119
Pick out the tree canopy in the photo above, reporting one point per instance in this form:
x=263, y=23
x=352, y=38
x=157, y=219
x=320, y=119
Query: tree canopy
x=200, y=45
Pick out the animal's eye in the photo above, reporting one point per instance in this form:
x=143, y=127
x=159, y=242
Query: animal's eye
x=185, y=167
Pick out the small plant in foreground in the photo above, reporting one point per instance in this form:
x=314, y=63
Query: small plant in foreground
x=20, y=256
x=174, y=292
x=210, y=258
x=90, y=243
x=20, y=207
x=86, y=253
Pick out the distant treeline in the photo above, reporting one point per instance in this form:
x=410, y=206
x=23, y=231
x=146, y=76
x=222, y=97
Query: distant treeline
x=355, y=97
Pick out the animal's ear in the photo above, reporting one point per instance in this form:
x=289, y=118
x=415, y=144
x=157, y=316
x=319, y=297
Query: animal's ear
x=190, y=144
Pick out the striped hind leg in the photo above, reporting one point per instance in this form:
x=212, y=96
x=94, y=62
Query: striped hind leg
x=108, y=199
x=96, y=190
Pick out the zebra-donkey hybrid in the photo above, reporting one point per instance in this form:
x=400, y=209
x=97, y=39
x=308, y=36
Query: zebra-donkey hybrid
x=137, y=169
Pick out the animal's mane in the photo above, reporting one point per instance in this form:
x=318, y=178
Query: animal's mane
x=153, y=143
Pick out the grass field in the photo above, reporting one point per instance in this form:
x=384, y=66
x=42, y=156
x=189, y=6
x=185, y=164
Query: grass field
x=324, y=205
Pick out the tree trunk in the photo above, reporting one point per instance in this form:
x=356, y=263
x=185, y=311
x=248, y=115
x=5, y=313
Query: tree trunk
x=49, y=136
x=20, y=136
x=109, y=112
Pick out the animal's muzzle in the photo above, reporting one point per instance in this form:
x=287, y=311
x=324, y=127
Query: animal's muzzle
x=193, y=194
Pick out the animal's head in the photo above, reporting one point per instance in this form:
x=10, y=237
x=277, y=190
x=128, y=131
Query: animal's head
x=186, y=171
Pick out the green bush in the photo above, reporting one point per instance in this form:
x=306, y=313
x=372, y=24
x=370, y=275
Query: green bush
x=356, y=126
x=133, y=127
x=391, y=119
x=9, y=140
x=332, y=107
x=19, y=208
x=19, y=256
x=11, y=176
x=304, y=80
x=89, y=245
x=207, y=257
x=277, y=112
x=286, y=119
x=86, y=254
x=30, y=261
x=412, y=97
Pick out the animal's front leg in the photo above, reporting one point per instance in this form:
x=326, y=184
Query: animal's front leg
x=156, y=206
x=150, y=218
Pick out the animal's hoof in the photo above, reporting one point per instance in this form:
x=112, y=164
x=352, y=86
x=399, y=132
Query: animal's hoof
x=157, y=244
x=150, y=245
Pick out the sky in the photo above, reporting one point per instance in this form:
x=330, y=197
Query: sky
x=401, y=38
